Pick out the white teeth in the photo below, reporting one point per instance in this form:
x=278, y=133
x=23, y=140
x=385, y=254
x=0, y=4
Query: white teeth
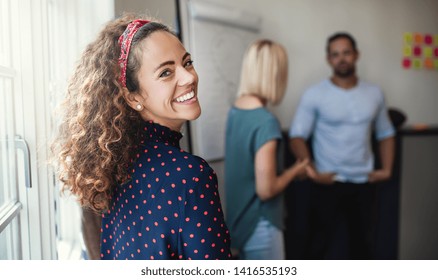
x=185, y=97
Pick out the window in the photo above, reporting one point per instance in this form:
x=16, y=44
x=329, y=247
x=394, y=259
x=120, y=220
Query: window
x=13, y=162
x=40, y=42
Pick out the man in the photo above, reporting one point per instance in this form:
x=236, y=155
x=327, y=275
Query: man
x=340, y=114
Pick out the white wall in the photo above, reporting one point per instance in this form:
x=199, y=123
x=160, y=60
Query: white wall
x=378, y=26
x=161, y=9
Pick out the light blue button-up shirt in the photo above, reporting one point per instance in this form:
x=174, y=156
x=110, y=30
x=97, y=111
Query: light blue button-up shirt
x=341, y=123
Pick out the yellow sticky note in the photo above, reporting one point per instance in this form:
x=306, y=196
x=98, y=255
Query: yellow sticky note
x=427, y=51
x=407, y=51
x=435, y=63
x=435, y=40
x=417, y=64
x=408, y=37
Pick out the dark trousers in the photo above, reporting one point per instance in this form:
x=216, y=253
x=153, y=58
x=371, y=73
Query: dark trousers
x=343, y=219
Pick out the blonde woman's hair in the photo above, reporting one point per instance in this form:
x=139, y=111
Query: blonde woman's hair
x=264, y=71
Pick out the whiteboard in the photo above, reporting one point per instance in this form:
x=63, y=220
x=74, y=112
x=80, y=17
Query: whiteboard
x=217, y=37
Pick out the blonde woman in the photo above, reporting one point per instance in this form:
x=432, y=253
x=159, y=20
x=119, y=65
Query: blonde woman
x=253, y=187
x=119, y=151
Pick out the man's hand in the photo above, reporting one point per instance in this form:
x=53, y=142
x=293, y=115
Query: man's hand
x=379, y=175
x=321, y=178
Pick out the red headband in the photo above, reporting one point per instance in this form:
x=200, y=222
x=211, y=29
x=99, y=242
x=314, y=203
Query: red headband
x=125, y=45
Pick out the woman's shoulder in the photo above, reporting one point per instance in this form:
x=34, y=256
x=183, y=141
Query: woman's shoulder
x=252, y=115
x=185, y=162
x=195, y=160
x=248, y=102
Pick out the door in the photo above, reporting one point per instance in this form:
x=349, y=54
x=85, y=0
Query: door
x=38, y=49
x=14, y=153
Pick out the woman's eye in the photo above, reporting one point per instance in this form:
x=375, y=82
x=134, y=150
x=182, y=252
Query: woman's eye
x=188, y=63
x=165, y=73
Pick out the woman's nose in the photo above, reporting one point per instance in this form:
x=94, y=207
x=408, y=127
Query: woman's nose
x=186, y=76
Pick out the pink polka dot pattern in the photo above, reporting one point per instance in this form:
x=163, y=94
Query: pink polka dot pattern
x=170, y=209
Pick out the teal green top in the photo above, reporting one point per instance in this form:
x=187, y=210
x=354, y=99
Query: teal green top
x=246, y=132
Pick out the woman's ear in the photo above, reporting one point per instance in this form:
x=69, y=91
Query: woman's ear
x=134, y=100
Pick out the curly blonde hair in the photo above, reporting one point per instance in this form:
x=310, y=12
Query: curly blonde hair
x=94, y=145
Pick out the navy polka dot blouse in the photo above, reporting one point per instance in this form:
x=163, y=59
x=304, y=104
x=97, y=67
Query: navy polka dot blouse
x=170, y=209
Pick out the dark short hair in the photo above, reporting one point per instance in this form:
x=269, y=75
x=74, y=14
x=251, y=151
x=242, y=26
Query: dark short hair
x=341, y=35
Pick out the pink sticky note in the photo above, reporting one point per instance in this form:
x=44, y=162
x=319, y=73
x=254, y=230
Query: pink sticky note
x=406, y=63
x=428, y=39
x=417, y=51
x=435, y=52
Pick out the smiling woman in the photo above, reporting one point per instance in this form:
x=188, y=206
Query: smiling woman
x=167, y=82
x=119, y=151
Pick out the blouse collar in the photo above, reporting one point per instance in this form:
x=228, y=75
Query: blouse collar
x=153, y=132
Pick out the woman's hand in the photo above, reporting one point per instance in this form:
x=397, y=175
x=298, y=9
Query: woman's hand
x=300, y=167
x=321, y=178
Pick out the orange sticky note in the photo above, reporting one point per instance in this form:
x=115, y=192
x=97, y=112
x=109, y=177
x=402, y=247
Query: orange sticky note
x=418, y=38
x=428, y=63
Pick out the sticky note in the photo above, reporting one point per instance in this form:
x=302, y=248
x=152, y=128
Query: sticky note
x=408, y=38
x=420, y=51
x=406, y=63
x=407, y=50
x=418, y=38
x=417, y=63
x=427, y=51
x=417, y=51
x=428, y=39
x=428, y=63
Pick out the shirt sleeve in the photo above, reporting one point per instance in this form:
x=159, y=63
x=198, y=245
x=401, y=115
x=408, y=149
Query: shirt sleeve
x=383, y=126
x=304, y=119
x=203, y=234
x=268, y=130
